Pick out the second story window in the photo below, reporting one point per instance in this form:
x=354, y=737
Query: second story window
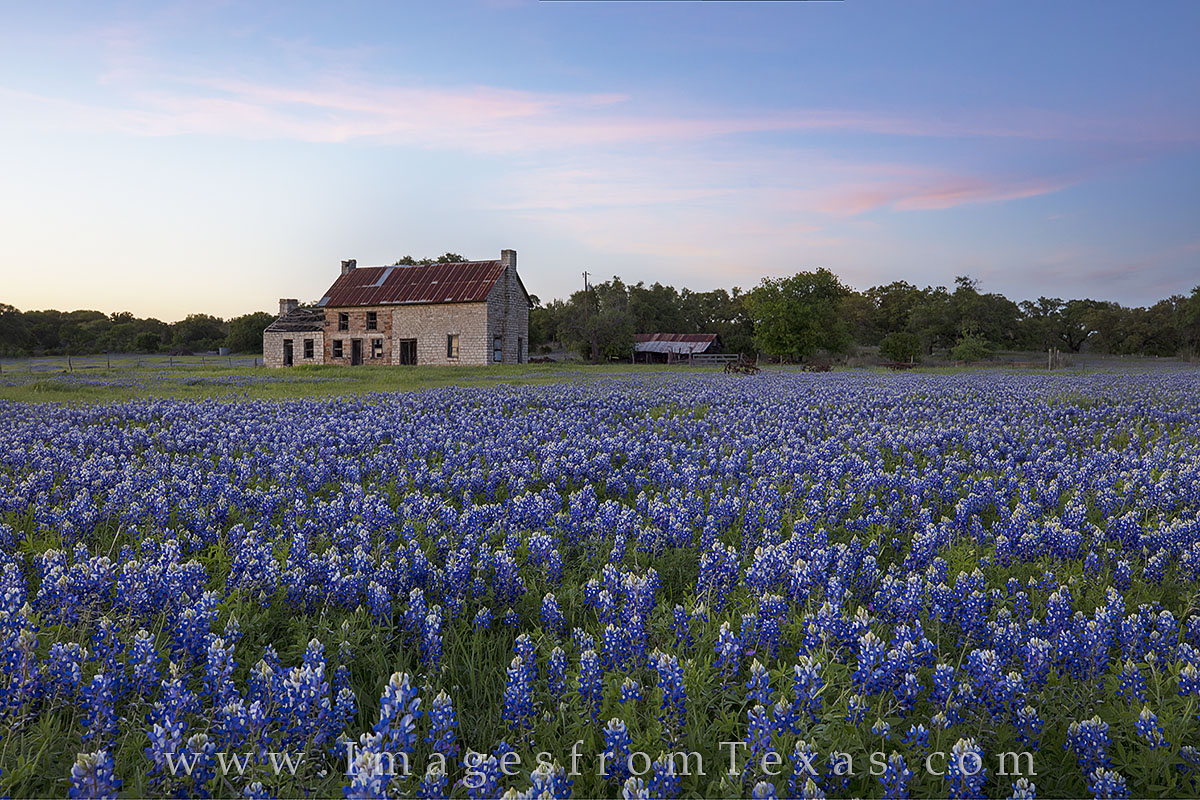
x=451, y=345
x=372, y=320
x=344, y=321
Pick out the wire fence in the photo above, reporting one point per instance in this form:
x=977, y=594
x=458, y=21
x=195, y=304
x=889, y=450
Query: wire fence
x=93, y=362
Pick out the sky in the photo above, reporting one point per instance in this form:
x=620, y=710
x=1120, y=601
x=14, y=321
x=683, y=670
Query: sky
x=211, y=157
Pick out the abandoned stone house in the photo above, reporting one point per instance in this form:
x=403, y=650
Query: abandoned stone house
x=473, y=312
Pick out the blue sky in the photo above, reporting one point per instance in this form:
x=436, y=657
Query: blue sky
x=170, y=158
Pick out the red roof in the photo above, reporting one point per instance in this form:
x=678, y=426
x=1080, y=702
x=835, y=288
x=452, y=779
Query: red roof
x=675, y=337
x=462, y=282
x=679, y=343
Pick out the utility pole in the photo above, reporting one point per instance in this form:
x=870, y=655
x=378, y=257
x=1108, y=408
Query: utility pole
x=586, y=323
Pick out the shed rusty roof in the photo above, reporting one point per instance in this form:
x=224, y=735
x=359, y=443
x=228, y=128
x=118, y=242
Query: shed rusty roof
x=298, y=321
x=461, y=282
x=673, y=342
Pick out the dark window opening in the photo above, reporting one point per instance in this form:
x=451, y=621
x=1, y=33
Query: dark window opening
x=497, y=349
x=344, y=321
x=377, y=348
x=308, y=348
x=337, y=348
x=287, y=352
x=372, y=320
x=451, y=345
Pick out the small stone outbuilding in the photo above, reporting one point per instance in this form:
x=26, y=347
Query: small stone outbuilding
x=297, y=337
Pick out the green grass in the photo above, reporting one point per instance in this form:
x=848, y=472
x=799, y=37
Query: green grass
x=198, y=383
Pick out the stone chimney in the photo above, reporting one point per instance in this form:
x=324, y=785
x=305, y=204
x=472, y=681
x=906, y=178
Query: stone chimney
x=287, y=305
x=349, y=265
x=508, y=258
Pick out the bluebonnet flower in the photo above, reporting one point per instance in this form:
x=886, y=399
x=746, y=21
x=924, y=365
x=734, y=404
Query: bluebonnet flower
x=483, y=619
x=1148, y=728
x=764, y=791
x=556, y=672
x=635, y=789
x=1106, y=784
x=92, y=777
x=518, y=696
x=1029, y=726
x=681, y=625
x=807, y=685
x=856, y=708
x=665, y=783
x=433, y=784
x=631, y=691
x=1090, y=742
x=758, y=733
x=895, y=778
x=552, y=616
x=759, y=685
x=100, y=720
x=1023, y=789
x=443, y=724
x=591, y=682
x=399, y=709
x=965, y=770
x=550, y=781
x=615, y=755
x=916, y=736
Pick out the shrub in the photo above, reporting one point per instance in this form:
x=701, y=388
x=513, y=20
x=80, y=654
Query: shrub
x=971, y=348
x=900, y=346
x=146, y=341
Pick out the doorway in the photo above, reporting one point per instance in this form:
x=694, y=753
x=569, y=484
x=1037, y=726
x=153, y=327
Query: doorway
x=287, y=352
x=355, y=352
x=407, y=351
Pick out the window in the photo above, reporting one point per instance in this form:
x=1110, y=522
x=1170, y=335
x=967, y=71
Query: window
x=344, y=321
x=452, y=345
x=372, y=320
x=497, y=349
x=377, y=348
x=337, y=348
x=308, y=348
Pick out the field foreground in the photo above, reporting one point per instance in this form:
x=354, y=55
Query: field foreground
x=903, y=582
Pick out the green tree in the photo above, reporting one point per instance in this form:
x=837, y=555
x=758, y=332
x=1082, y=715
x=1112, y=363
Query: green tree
x=900, y=346
x=147, y=342
x=971, y=347
x=246, y=332
x=797, y=316
x=444, y=258
x=198, y=332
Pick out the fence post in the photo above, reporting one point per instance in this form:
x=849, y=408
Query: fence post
x=1050, y=358
x=170, y=361
x=69, y=367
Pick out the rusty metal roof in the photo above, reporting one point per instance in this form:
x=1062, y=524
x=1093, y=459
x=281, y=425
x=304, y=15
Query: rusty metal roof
x=462, y=282
x=682, y=343
x=299, y=320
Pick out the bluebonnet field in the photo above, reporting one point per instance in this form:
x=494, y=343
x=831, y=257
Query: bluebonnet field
x=937, y=569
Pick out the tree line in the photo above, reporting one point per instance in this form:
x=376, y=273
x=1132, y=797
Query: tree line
x=33, y=333
x=793, y=318
x=814, y=312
